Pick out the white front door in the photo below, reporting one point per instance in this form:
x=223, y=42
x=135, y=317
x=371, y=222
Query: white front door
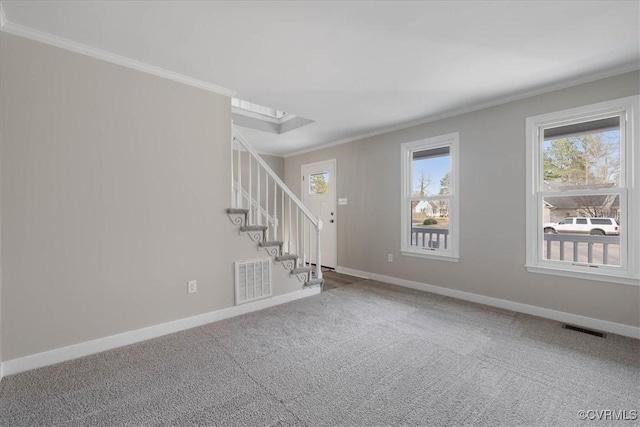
x=319, y=196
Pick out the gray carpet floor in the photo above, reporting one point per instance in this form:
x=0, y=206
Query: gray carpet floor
x=363, y=354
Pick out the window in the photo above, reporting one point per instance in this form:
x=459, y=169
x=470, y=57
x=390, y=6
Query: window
x=601, y=221
x=250, y=107
x=318, y=183
x=430, y=198
x=583, y=192
x=266, y=119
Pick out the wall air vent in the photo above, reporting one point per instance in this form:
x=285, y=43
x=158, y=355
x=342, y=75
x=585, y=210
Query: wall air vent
x=252, y=280
x=585, y=330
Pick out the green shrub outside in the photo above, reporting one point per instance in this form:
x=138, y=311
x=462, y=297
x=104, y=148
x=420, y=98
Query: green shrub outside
x=430, y=221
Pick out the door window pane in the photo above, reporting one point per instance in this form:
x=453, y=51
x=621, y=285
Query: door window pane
x=319, y=183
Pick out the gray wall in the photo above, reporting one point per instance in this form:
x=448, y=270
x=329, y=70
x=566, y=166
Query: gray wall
x=114, y=189
x=276, y=163
x=492, y=207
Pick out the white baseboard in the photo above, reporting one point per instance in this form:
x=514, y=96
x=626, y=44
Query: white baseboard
x=352, y=272
x=58, y=355
x=560, y=316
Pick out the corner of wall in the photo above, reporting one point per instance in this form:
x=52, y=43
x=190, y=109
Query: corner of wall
x=3, y=17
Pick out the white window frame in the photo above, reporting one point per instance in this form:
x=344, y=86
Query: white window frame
x=452, y=253
x=628, y=272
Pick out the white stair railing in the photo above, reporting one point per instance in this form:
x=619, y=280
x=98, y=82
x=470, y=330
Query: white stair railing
x=256, y=187
x=257, y=211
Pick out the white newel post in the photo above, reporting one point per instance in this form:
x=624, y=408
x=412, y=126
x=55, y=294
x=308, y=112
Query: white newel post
x=318, y=249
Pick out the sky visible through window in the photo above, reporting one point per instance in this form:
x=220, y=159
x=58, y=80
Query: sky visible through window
x=590, y=159
x=433, y=169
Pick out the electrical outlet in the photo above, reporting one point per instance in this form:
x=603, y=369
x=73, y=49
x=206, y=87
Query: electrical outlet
x=192, y=287
x=390, y=257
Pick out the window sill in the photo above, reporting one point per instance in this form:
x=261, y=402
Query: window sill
x=601, y=277
x=431, y=255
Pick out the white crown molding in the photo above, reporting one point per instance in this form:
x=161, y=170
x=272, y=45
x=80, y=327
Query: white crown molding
x=80, y=48
x=58, y=355
x=560, y=316
x=625, y=68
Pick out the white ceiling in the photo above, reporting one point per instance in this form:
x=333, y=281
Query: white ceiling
x=356, y=68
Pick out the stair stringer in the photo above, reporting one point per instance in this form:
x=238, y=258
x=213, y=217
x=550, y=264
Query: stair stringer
x=288, y=261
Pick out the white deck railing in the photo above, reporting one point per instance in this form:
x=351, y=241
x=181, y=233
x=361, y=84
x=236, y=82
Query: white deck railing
x=603, y=250
x=256, y=187
x=433, y=238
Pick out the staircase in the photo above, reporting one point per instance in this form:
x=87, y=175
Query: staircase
x=266, y=210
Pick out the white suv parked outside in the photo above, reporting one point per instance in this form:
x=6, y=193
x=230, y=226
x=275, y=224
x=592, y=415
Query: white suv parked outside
x=593, y=226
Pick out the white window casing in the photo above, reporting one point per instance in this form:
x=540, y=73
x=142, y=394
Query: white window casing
x=627, y=192
x=451, y=252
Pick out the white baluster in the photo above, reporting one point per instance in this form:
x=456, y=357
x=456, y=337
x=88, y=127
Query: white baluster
x=275, y=210
x=239, y=187
x=250, y=192
x=289, y=221
x=266, y=202
x=304, y=252
x=259, y=208
x=309, y=242
x=233, y=179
